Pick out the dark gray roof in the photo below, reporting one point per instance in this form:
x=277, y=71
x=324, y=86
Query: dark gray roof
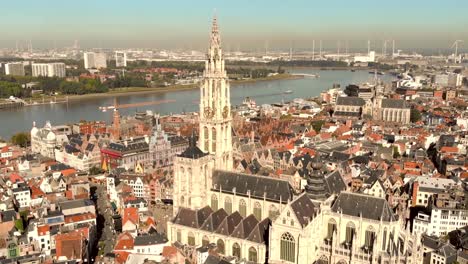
x=245, y=228
x=260, y=232
x=188, y=217
x=354, y=101
x=215, y=219
x=8, y=215
x=335, y=183
x=144, y=240
x=258, y=186
x=75, y=204
x=193, y=152
x=369, y=207
x=393, y=103
x=338, y=156
x=304, y=209
x=229, y=224
x=215, y=260
x=350, y=114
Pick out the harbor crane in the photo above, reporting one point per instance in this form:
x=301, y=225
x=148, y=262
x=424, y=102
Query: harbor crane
x=455, y=45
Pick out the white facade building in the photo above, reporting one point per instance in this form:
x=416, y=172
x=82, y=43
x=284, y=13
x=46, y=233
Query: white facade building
x=120, y=59
x=94, y=60
x=22, y=195
x=16, y=69
x=368, y=58
x=44, y=140
x=56, y=69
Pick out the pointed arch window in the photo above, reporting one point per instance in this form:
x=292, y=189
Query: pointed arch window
x=253, y=255
x=220, y=245
x=205, y=241
x=214, y=202
x=213, y=139
x=191, y=239
x=242, y=208
x=228, y=205
x=350, y=231
x=287, y=248
x=236, y=250
x=257, y=211
x=331, y=228
x=207, y=138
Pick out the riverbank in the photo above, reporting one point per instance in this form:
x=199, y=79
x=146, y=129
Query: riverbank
x=172, y=88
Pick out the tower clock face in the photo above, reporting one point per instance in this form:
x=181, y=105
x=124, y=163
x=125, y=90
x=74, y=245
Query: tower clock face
x=225, y=111
x=207, y=112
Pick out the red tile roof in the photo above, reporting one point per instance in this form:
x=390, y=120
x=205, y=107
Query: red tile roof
x=130, y=214
x=79, y=218
x=447, y=149
x=169, y=251
x=42, y=230
x=121, y=257
x=124, y=242
x=16, y=178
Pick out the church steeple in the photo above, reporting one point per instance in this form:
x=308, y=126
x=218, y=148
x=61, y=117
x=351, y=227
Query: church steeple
x=215, y=105
x=215, y=39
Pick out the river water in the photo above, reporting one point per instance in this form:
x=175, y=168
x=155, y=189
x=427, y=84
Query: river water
x=21, y=119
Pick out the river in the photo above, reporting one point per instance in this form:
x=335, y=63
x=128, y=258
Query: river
x=21, y=119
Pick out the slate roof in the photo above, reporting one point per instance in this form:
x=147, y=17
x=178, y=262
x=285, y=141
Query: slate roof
x=338, y=156
x=353, y=101
x=193, y=152
x=393, y=103
x=229, y=225
x=304, y=209
x=369, y=207
x=8, y=215
x=351, y=114
x=334, y=183
x=75, y=204
x=135, y=145
x=245, y=228
x=215, y=219
x=258, y=186
x=145, y=240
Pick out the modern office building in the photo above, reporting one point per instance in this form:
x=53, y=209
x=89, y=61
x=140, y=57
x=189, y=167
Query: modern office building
x=56, y=69
x=120, y=59
x=94, y=60
x=15, y=68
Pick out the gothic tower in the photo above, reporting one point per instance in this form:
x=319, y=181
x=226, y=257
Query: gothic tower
x=215, y=106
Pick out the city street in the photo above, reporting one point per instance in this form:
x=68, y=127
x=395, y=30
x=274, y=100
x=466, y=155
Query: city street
x=106, y=228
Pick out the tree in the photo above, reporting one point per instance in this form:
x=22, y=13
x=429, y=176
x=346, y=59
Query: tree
x=415, y=115
x=396, y=153
x=19, y=225
x=22, y=139
x=95, y=171
x=317, y=125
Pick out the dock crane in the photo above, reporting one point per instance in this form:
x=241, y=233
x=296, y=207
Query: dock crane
x=455, y=45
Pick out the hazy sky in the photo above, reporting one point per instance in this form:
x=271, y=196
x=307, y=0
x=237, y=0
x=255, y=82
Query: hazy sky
x=245, y=24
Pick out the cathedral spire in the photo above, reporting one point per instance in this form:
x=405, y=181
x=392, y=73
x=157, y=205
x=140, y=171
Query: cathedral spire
x=215, y=41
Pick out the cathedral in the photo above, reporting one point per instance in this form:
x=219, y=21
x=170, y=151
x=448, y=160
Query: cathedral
x=258, y=219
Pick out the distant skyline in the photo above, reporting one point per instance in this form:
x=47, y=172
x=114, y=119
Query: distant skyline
x=244, y=24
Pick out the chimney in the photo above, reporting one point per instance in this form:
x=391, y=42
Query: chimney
x=252, y=136
x=146, y=139
x=126, y=143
